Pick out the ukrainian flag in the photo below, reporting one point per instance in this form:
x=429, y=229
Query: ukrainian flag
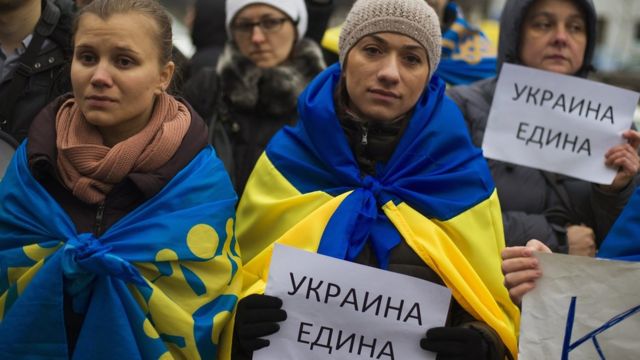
x=435, y=193
x=622, y=241
x=468, y=55
x=161, y=283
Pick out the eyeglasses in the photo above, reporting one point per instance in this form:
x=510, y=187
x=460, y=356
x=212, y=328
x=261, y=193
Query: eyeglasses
x=267, y=25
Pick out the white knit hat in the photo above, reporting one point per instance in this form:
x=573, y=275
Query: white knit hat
x=295, y=9
x=413, y=18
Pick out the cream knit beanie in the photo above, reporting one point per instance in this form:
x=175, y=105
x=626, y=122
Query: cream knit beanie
x=413, y=18
x=295, y=9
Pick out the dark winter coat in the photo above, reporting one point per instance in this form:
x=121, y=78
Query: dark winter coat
x=245, y=106
x=48, y=75
x=538, y=204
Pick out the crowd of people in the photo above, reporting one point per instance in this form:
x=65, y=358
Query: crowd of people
x=142, y=193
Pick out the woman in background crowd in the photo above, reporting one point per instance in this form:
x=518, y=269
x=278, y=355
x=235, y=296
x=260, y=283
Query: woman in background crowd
x=252, y=93
x=566, y=214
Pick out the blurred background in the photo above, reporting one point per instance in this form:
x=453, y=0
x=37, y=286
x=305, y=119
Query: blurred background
x=618, y=41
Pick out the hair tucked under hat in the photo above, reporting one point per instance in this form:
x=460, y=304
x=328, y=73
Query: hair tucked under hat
x=413, y=18
x=294, y=9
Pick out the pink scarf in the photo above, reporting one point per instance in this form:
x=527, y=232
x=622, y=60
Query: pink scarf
x=90, y=169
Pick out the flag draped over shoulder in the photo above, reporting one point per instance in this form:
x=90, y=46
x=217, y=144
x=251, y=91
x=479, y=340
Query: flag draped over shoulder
x=622, y=242
x=160, y=283
x=467, y=54
x=435, y=193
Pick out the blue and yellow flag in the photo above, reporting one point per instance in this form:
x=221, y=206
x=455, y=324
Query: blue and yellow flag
x=467, y=54
x=622, y=242
x=435, y=193
x=161, y=283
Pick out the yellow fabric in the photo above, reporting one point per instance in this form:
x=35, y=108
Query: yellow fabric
x=464, y=251
x=331, y=39
x=491, y=29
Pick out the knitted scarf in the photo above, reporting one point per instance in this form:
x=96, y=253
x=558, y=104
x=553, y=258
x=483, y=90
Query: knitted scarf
x=90, y=169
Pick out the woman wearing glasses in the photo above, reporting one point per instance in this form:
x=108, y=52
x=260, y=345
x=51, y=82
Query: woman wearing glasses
x=252, y=92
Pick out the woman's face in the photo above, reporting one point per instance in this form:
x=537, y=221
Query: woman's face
x=116, y=72
x=264, y=34
x=385, y=75
x=554, y=36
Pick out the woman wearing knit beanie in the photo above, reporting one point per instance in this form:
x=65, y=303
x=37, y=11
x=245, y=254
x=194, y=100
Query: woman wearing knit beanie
x=251, y=94
x=380, y=171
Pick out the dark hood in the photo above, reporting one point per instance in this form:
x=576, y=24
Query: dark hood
x=511, y=26
x=208, y=24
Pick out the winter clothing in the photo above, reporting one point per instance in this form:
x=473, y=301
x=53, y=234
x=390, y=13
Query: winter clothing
x=308, y=191
x=104, y=273
x=551, y=201
x=131, y=192
x=47, y=74
x=413, y=18
x=294, y=9
x=91, y=170
x=245, y=105
x=257, y=315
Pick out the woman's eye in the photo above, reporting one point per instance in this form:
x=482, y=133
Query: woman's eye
x=86, y=58
x=413, y=60
x=371, y=50
x=541, y=24
x=576, y=27
x=125, y=62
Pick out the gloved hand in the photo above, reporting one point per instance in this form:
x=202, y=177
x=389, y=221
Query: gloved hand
x=256, y=316
x=456, y=343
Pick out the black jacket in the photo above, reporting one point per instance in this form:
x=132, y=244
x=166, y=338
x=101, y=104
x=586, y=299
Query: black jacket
x=47, y=74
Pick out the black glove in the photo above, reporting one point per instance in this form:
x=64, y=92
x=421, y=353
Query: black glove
x=456, y=343
x=256, y=316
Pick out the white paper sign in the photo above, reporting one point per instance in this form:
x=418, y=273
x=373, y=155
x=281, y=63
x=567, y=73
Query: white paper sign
x=341, y=310
x=559, y=123
x=582, y=308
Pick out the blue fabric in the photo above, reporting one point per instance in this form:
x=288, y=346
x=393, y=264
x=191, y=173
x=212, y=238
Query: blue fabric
x=435, y=168
x=98, y=273
x=467, y=54
x=622, y=242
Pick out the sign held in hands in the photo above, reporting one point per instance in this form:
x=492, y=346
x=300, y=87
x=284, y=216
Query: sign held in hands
x=582, y=308
x=341, y=310
x=558, y=123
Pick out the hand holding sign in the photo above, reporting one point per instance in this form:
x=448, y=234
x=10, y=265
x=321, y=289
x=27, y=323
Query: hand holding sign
x=256, y=316
x=456, y=343
x=521, y=269
x=625, y=158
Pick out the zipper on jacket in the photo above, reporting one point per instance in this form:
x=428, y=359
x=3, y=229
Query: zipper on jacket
x=97, y=228
x=365, y=134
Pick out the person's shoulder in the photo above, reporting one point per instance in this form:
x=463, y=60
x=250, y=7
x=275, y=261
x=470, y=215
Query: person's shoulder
x=61, y=14
x=481, y=91
x=201, y=91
